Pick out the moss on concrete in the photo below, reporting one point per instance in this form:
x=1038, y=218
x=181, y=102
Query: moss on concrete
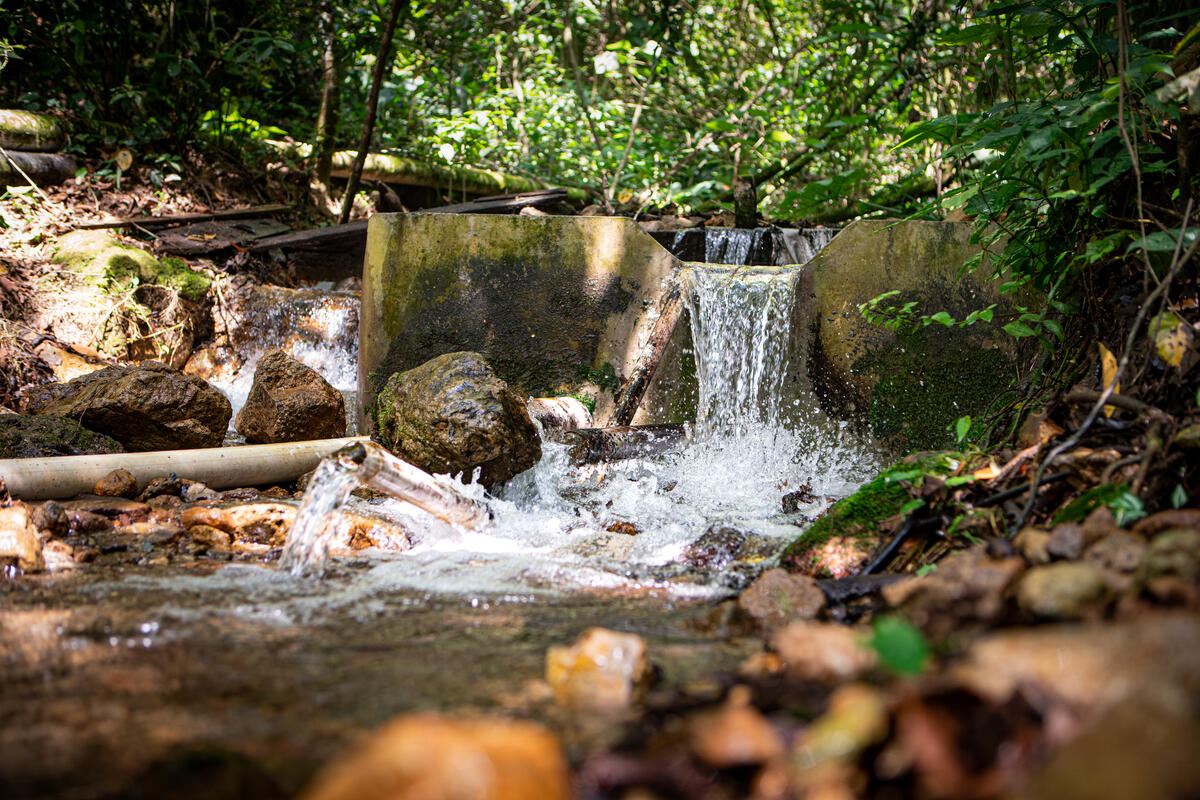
x=538, y=297
x=927, y=381
x=856, y=518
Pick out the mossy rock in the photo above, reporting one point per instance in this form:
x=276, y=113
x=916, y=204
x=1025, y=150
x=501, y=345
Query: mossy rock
x=849, y=531
x=96, y=255
x=45, y=436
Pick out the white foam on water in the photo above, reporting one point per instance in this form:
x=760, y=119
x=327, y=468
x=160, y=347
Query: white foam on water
x=558, y=528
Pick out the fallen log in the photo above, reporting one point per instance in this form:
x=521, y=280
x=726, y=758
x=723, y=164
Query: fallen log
x=619, y=442
x=410, y=172
x=503, y=204
x=169, y=220
x=630, y=395
x=29, y=132
x=558, y=414
x=44, y=169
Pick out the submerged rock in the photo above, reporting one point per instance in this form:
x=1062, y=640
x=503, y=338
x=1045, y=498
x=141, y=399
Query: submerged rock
x=145, y=407
x=453, y=414
x=290, y=402
x=603, y=671
x=435, y=757
x=48, y=435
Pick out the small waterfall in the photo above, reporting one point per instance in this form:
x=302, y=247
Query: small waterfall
x=736, y=245
x=741, y=327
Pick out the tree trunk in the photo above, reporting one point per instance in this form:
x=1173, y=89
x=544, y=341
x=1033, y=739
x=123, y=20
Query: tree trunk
x=43, y=169
x=327, y=113
x=382, y=62
x=29, y=132
x=643, y=372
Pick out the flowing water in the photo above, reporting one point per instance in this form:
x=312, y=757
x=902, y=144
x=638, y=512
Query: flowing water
x=629, y=526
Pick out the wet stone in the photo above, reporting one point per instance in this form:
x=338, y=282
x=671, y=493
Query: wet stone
x=967, y=587
x=289, y=402
x=715, y=550
x=111, y=507
x=51, y=518
x=453, y=414
x=46, y=436
x=435, y=757
x=83, y=522
x=150, y=406
x=118, y=483
x=19, y=543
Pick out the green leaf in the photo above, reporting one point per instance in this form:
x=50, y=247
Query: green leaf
x=1164, y=241
x=900, y=646
x=962, y=426
x=942, y=318
x=1019, y=330
x=910, y=506
x=1127, y=507
x=779, y=136
x=1179, y=497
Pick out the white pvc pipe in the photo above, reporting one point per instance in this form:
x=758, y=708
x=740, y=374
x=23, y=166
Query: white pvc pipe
x=216, y=467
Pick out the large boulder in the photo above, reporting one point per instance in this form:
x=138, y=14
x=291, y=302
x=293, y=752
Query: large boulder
x=453, y=414
x=145, y=407
x=44, y=436
x=290, y=402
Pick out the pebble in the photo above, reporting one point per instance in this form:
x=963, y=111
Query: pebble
x=118, y=483
x=604, y=671
x=1066, y=542
x=210, y=537
x=1118, y=551
x=1166, y=520
x=435, y=757
x=734, y=735
x=1032, y=543
x=823, y=651
x=1065, y=590
x=1173, y=552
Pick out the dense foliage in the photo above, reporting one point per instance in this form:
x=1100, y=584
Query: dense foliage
x=648, y=102
x=1054, y=124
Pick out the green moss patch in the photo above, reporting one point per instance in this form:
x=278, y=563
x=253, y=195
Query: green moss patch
x=928, y=381
x=856, y=518
x=96, y=255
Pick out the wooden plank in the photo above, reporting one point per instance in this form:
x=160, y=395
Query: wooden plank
x=182, y=219
x=204, y=238
x=315, y=239
x=630, y=396
x=503, y=203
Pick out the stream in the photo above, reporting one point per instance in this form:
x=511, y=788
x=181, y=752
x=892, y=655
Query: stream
x=117, y=676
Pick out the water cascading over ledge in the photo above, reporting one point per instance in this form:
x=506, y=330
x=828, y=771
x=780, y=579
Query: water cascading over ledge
x=565, y=305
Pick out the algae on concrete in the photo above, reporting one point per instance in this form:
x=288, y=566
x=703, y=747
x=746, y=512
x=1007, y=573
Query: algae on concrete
x=548, y=301
x=909, y=388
